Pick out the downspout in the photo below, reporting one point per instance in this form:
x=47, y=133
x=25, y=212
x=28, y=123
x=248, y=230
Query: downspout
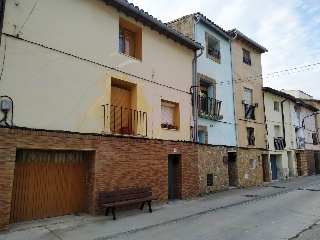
x=265, y=121
x=234, y=98
x=195, y=86
x=283, y=127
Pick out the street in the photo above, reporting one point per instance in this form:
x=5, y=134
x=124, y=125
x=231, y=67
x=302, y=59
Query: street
x=287, y=209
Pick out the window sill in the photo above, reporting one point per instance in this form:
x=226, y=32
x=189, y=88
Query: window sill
x=123, y=54
x=170, y=129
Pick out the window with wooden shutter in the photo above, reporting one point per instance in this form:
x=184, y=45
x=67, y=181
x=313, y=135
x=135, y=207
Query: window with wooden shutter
x=167, y=112
x=170, y=117
x=130, y=39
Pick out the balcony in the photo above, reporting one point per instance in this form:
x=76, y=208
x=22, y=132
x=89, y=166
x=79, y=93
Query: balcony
x=278, y=143
x=249, y=111
x=213, y=52
x=247, y=60
x=120, y=120
x=300, y=143
x=209, y=108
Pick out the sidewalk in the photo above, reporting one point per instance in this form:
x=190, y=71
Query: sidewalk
x=103, y=227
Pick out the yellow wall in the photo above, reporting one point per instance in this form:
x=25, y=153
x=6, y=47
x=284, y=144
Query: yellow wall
x=53, y=90
x=242, y=71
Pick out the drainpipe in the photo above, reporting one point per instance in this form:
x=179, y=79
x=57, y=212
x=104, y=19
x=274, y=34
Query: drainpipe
x=234, y=98
x=195, y=86
x=283, y=127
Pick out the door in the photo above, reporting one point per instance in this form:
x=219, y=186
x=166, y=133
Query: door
x=174, y=176
x=299, y=165
x=273, y=160
x=317, y=159
x=48, y=184
x=265, y=168
x=170, y=177
x=120, y=111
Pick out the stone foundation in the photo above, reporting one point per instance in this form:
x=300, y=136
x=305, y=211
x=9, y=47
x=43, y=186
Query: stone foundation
x=248, y=176
x=213, y=160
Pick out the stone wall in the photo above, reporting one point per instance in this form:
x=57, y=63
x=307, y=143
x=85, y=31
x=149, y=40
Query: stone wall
x=213, y=160
x=302, y=166
x=184, y=25
x=248, y=176
x=116, y=162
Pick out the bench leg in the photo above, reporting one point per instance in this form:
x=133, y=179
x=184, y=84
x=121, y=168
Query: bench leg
x=149, y=204
x=142, y=205
x=107, y=212
x=113, y=214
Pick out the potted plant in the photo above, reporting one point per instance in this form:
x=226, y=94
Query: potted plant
x=173, y=127
x=170, y=126
x=164, y=125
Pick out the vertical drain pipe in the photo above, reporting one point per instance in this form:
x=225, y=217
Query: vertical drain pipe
x=195, y=85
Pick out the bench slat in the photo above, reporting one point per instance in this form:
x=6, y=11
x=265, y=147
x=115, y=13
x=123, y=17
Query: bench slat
x=125, y=191
x=128, y=202
x=120, y=198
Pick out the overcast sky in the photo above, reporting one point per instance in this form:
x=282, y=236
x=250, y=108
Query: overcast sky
x=289, y=29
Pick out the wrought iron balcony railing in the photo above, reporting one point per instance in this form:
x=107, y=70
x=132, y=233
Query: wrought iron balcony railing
x=278, y=143
x=213, y=52
x=210, y=107
x=249, y=111
x=247, y=60
x=120, y=120
x=300, y=143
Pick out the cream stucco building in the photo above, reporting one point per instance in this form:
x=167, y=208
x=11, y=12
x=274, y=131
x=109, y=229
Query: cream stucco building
x=292, y=135
x=95, y=67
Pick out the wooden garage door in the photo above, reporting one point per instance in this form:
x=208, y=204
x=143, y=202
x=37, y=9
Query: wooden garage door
x=48, y=184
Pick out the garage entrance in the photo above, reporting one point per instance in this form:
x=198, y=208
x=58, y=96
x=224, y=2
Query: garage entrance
x=48, y=184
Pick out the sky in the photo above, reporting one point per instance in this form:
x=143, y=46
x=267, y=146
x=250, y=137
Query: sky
x=289, y=29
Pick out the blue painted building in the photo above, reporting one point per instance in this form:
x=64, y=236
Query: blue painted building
x=216, y=112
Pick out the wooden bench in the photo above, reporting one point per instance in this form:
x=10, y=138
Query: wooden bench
x=111, y=199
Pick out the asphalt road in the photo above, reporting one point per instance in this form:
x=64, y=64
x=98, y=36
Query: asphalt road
x=288, y=209
x=285, y=216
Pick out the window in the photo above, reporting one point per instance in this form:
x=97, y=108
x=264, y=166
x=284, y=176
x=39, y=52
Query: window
x=246, y=56
x=130, y=39
x=250, y=136
x=249, y=108
x=213, y=48
x=210, y=179
x=247, y=96
x=209, y=107
x=315, y=138
x=252, y=163
x=277, y=131
x=276, y=106
x=170, y=118
x=202, y=137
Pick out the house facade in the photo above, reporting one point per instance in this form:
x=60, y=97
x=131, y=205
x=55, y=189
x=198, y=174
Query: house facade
x=297, y=153
x=104, y=89
x=281, y=134
x=307, y=120
x=215, y=99
x=251, y=162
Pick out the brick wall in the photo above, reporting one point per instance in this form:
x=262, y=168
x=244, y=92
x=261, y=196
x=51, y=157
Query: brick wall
x=211, y=161
x=115, y=163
